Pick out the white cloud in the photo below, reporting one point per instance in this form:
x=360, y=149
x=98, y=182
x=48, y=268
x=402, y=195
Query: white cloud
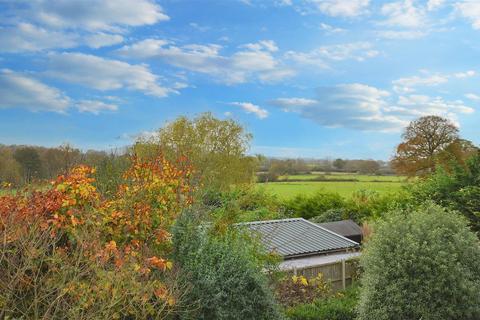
x=402, y=34
x=104, y=74
x=363, y=107
x=198, y=27
x=288, y=103
x=252, y=108
x=48, y=24
x=341, y=8
x=472, y=96
x=408, y=84
x=104, y=15
x=466, y=74
x=27, y=37
x=330, y=29
x=422, y=105
x=435, y=4
x=471, y=11
x=323, y=55
x=403, y=14
x=101, y=39
x=254, y=60
x=268, y=45
x=354, y=106
x=20, y=91
x=94, y=106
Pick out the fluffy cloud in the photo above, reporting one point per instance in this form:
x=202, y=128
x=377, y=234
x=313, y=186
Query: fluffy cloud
x=253, y=60
x=408, y=84
x=323, y=55
x=422, y=105
x=330, y=29
x=401, y=34
x=435, y=4
x=20, y=91
x=363, y=107
x=403, y=14
x=472, y=96
x=355, y=106
x=341, y=8
x=27, y=37
x=104, y=74
x=252, y=108
x=60, y=24
x=94, y=106
x=98, y=40
x=471, y=11
x=105, y=15
x=466, y=74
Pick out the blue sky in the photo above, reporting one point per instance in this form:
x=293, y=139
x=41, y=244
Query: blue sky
x=308, y=78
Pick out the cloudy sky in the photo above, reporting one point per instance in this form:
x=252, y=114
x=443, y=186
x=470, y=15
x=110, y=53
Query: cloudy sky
x=312, y=78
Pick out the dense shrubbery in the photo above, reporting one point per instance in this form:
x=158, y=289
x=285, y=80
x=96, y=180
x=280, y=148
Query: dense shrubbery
x=311, y=206
x=293, y=290
x=422, y=264
x=339, y=307
x=68, y=254
x=242, y=204
x=224, y=273
x=458, y=189
x=363, y=205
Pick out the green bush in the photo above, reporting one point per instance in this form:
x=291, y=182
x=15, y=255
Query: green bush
x=316, y=205
x=458, y=189
x=423, y=264
x=243, y=204
x=331, y=215
x=224, y=273
x=363, y=205
x=339, y=307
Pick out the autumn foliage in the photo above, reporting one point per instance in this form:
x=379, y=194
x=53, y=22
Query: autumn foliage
x=101, y=257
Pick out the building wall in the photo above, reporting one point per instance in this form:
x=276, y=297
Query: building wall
x=332, y=272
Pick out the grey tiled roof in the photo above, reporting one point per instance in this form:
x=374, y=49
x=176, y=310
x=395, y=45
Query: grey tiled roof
x=344, y=227
x=298, y=237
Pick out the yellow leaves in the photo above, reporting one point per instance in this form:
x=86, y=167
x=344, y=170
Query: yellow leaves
x=303, y=281
x=294, y=279
x=300, y=280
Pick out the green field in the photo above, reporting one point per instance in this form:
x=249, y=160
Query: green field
x=344, y=176
x=380, y=184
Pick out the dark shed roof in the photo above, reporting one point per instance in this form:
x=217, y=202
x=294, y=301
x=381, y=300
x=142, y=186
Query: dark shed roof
x=345, y=228
x=298, y=237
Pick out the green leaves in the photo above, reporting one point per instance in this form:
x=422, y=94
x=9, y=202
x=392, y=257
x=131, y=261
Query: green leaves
x=423, y=264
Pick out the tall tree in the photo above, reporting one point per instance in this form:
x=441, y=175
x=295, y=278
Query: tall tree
x=215, y=148
x=29, y=160
x=339, y=164
x=423, y=140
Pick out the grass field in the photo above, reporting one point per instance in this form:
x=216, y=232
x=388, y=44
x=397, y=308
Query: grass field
x=381, y=184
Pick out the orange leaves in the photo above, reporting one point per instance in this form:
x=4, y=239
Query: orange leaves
x=159, y=263
x=129, y=231
x=153, y=193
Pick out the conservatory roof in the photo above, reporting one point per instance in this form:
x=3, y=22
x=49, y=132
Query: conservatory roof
x=298, y=237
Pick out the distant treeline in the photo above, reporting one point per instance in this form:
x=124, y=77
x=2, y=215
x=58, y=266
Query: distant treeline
x=21, y=165
x=270, y=169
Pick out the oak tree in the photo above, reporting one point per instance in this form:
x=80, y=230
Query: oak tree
x=423, y=140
